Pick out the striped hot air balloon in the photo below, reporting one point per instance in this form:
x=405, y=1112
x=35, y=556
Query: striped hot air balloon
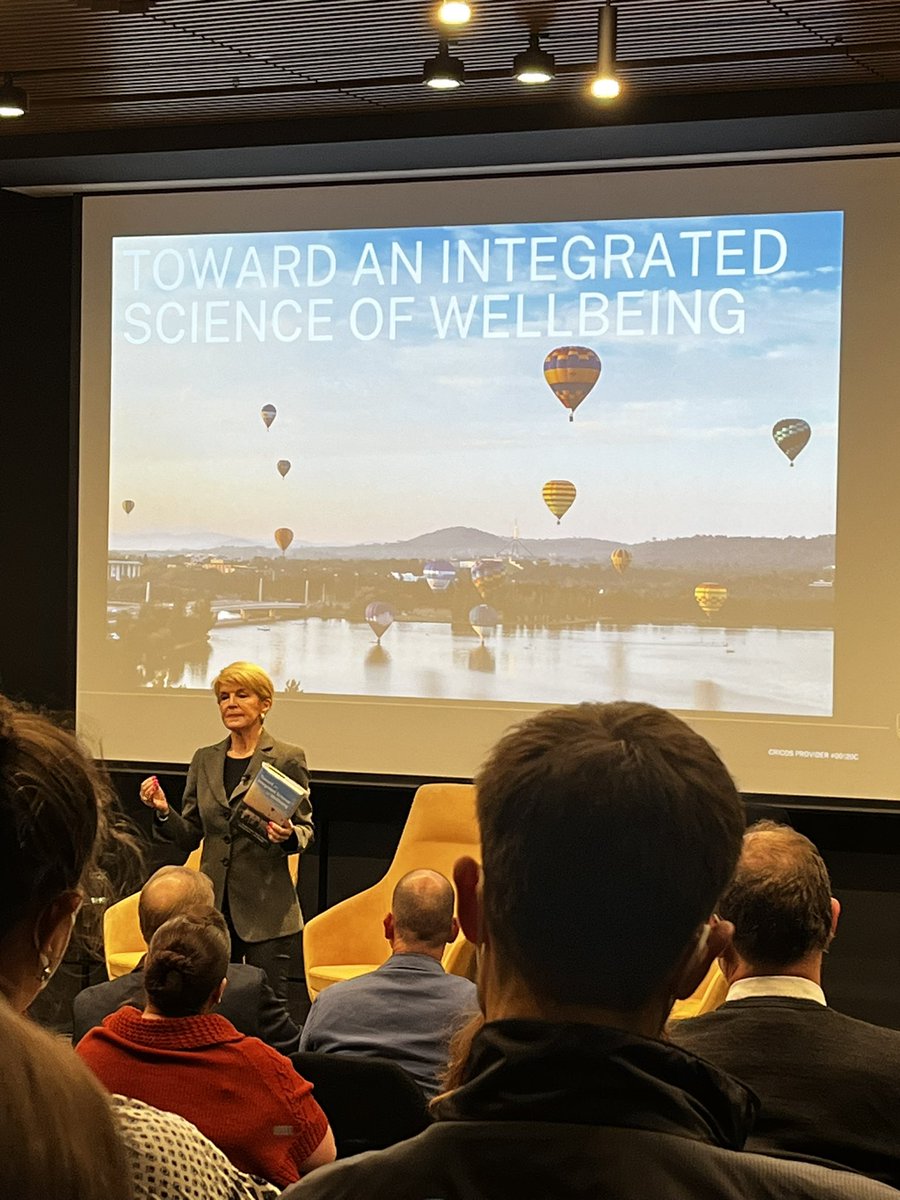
x=559, y=496
x=268, y=412
x=128, y=506
x=710, y=597
x=621, y=560
x=571, y=372
x=439, y=574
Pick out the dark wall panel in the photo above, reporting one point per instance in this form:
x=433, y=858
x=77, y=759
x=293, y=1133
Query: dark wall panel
x=37, y=479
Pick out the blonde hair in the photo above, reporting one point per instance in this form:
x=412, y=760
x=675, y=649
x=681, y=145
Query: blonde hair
x=58, y=1136
x=247, y=675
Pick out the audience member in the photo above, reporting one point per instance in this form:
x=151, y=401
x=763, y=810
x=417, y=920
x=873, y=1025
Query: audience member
x=608, y=832
x=170, y=1159
x=54, y=822
x=829, y=1085
x=248, y=1001
x=181, y=1056
x=408, y=1009
x=58, y=1137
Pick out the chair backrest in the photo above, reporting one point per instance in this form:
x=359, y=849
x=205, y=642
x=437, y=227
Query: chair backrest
x=370, y=1103
x=441, y=827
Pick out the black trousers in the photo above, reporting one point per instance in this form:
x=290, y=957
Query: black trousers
x=281, y=958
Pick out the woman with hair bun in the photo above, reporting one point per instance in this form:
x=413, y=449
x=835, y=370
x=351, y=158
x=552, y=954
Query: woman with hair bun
x=264, y=932
x=60, y=1136
x=181, y=1056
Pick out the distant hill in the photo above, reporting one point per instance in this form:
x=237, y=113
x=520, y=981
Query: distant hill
x=705, y=553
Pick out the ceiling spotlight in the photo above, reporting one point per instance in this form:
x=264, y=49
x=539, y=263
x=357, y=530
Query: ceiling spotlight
x=444, y=71
x=454, y=12
x=605, y=86
x=13, y=100
x=534, y=65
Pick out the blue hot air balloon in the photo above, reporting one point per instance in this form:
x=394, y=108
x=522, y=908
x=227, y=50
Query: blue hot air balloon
x=439, y=574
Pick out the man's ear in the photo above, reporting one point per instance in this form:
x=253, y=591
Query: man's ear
x=454, y=930
x=711, y=942
x=389, y=927
x=835, y=917
x=467, y=877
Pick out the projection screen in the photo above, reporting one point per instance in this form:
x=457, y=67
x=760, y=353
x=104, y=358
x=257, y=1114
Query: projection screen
x=436, y=454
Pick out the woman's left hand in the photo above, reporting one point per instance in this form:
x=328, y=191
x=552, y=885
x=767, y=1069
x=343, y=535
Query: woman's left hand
x=279, y=833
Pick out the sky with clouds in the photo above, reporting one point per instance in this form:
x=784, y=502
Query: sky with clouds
x=393, y=437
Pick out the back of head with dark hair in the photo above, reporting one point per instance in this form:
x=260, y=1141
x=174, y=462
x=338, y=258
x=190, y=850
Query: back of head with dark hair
x=169, y=891
x=608, y=832
x=779, y=899
x=186, y=961
x=422, y=906
x=52, y=813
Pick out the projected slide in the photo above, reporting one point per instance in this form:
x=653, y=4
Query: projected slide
x=525, y=463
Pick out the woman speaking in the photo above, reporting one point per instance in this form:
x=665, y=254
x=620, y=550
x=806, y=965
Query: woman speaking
x=253, y=886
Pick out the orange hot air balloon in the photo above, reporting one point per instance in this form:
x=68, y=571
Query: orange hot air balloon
x=571, y=372
x=283, y=467
x=268, y=412
x=283, y=538
x=487, y=576
x=621, y=560
x=710, y=597
x=128, y=505
x=559, y=496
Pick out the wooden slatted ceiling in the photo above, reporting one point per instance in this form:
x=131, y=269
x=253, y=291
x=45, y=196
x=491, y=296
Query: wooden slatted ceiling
x=195, y=61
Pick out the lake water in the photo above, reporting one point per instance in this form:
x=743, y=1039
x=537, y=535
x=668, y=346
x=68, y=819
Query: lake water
x=675, y=666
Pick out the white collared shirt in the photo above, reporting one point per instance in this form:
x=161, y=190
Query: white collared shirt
x=777, y=985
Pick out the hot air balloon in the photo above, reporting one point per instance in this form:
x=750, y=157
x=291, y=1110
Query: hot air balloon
x=268, y=412
x=710, y=597
x=283, y=538
x=487, y=575
x=559, y=496
x=571, y=372
x=283, y=467
x=483, y=619
x=380, y=618
x=439, y=575
x=128, y=505
x=621, y=560
x=791, y=435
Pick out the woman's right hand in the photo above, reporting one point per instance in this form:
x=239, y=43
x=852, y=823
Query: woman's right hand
x=153, y=796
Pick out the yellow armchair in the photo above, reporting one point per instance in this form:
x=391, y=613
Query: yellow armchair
x=709, y=995
x=348, y=940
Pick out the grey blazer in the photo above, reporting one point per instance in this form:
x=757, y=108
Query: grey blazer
x=262, y=898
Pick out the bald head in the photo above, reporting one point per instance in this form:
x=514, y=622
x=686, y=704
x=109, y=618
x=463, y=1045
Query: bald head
x=168, y=892
x=779, y=900
x=422, y=911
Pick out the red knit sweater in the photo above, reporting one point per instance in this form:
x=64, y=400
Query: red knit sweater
x=245, y=1096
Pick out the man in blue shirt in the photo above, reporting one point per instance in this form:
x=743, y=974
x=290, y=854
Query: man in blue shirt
x=408, y=1009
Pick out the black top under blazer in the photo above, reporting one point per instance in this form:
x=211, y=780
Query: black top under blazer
x=262, y=898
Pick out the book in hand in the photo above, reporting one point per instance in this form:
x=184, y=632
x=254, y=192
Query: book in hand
x=271, y=796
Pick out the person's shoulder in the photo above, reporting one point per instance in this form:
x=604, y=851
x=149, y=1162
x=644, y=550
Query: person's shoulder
x=886, y=1039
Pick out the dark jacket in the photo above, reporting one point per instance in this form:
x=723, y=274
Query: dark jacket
x=555, y=1112
x=262, y=898
x=828, y=1085
x=248, y=1002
